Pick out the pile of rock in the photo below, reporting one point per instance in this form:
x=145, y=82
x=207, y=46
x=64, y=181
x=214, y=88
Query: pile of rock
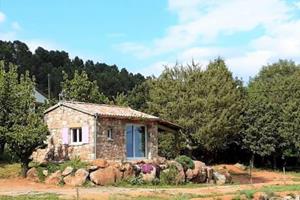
x=103, y=172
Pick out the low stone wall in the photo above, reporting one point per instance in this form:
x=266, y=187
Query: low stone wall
x=103, y=172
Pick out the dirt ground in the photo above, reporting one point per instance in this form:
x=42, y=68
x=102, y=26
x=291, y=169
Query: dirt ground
x=240, y=177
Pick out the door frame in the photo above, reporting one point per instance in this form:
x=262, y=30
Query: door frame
x=146, y=142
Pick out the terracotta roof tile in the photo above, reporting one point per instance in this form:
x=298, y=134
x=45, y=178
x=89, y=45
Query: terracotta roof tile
x=109, y=110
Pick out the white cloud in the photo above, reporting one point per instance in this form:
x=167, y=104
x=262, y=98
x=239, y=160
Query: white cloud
x=248, y=65
x=2, y=17
x=201, y=22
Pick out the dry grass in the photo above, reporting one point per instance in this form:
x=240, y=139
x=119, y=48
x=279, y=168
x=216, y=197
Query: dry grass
x=9, y=170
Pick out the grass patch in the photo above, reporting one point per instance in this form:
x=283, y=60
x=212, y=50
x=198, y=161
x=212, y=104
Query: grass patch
x=269, y=190
x=128, y=184
x=9, y=170
x=154, y=197
x=32, y=197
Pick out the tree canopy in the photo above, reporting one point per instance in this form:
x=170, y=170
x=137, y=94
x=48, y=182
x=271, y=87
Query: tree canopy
x=109, y=78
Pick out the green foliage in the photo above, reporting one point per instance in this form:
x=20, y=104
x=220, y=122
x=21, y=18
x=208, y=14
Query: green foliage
x=75, y=162
x=206, y=103
x=121, y=100
x=31, y=197
x=186, y=162
x=167, y=145
x=248, y=193
x=138, y=97
x=168, y=177
x=21, y=127
x=271, y=120
x=80, y=88
x=42, y=62
x=136, y=180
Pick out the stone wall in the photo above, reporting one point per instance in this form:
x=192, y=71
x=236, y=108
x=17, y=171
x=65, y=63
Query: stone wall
x=63, y=117
x=106, y=148
x=115, y=149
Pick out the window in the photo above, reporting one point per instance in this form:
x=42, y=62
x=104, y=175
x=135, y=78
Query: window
x=136, y=140
x=109, y=134
x=76, y=135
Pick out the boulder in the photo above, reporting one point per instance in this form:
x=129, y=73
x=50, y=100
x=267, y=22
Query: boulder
x=137, y=170
x=54, y=178
x=228, y=177
x=177, y=164
x=190, y=175
x=163, y=167
x=180, y=178
x=32, y=174
x=198, y=167
x=106, y=176
x=219, y=179
x=78, y=179
x=127, y=170
x=45, y=172
x=101, y=163
x=240, y=166
x=67, y=171
x=209, y=174
x=119, y=175
x=92, y=168
x=159, y=160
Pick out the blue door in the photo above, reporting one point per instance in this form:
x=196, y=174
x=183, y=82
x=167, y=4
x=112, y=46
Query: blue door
x=136, y=141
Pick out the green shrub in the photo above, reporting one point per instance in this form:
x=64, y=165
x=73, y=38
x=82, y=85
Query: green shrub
x=249, y=193
x=76, y=163
x=40, y=174
x=8, y=156
x=168, y=176
x=136, y=180
x=186, y=162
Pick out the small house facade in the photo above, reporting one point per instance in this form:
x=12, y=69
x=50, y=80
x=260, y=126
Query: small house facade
x=93, y=131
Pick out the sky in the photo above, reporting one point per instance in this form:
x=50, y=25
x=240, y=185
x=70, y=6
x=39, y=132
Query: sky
x=145, y=35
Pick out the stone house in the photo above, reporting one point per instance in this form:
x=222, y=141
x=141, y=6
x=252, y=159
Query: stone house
x=93, y=131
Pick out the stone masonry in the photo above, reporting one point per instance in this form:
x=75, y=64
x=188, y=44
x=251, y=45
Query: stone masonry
x=110, y=149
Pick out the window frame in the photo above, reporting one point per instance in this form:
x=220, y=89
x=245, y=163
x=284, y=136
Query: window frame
x=133, y=145
x=109, y=134
x=78, y=131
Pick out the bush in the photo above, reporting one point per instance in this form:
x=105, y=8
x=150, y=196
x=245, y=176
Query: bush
x=75, y=162
x=186, y=162
x=136, y=180
x=168, y=176
x=8, y=156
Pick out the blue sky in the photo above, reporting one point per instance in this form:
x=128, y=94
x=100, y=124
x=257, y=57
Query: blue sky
x=144, y=35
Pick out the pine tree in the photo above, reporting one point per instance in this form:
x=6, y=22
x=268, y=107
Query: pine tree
x=80, y=88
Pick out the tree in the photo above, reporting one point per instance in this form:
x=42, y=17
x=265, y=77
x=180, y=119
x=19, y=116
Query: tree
x=21, y=127
x=26, y=137
x=42, y=62
x=8, y=100
x=206, y=103
x=272, y=114
x=121, y=100
x=138, y=97
x=80, y=88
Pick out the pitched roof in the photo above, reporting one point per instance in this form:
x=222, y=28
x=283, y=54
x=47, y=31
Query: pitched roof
x=110, y=111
